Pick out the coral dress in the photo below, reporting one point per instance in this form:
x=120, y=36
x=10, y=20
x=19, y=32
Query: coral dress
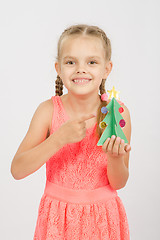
x=78, y=202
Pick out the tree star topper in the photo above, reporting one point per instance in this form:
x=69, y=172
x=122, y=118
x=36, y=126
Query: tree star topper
x=113, y=93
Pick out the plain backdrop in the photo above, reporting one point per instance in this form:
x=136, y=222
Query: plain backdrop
x=28, y=47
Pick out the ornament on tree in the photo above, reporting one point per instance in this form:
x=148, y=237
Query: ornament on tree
x=102, y=125
x=104, y=110
x=113, y=121
x=121, y=110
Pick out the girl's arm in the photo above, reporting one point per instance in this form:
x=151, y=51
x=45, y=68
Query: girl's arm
x=118, y=158
x=33, y=152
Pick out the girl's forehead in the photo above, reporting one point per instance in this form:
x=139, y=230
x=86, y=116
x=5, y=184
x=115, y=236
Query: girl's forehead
x=78, y=43
x=82, y=39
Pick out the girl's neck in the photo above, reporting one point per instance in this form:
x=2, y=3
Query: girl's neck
x=82, y=105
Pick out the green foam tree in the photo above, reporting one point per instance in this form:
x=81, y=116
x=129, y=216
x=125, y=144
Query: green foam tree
x=113, y=122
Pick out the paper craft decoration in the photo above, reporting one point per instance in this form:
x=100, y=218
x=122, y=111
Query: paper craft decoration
x=113, y=93
x=113, y=121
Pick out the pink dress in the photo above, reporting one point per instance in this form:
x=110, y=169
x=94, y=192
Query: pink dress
x=78, y=202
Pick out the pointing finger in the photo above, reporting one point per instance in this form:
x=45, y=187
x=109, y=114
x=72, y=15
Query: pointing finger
x=84, y=118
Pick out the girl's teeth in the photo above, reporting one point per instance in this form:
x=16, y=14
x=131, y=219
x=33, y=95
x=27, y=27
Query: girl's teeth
x=83, y=80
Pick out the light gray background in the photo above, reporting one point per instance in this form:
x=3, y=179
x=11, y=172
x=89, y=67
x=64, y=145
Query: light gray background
x=29, y=34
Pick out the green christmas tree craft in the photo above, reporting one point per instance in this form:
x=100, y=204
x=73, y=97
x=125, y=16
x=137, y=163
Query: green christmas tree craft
x=113, y=122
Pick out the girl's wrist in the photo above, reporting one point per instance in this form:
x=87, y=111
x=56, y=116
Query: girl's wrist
x=114, y=160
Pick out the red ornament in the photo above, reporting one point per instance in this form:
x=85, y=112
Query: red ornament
x=121, y=109
x=122, y=123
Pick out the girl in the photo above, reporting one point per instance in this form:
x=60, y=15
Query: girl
x=80, y=200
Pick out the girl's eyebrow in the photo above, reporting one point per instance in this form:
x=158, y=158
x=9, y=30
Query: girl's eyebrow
x=87, y=57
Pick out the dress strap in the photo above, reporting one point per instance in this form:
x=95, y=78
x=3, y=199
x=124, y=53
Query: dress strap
x=58, y=117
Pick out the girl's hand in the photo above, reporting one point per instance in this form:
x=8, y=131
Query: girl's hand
x=115, y=147
x=73, y=130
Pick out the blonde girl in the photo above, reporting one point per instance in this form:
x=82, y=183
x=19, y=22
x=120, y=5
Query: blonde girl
x=80, y=200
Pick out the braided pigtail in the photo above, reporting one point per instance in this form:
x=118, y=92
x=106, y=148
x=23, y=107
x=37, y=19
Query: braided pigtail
x=100, y=115
x=59, y=86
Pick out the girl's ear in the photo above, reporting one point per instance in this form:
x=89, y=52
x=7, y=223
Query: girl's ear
x=108, y=68
x=57, y=67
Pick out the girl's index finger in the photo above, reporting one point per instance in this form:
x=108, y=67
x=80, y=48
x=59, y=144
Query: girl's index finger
x=84, y=118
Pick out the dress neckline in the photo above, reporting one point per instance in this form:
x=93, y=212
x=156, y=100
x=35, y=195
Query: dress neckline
x=88, y=129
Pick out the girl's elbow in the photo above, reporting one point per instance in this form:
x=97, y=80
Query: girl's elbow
x=14, y=173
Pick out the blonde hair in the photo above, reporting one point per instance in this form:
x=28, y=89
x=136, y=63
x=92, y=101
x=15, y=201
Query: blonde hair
x=83, y=29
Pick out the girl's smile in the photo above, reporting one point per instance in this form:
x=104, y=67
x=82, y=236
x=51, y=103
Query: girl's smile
x=81, y=81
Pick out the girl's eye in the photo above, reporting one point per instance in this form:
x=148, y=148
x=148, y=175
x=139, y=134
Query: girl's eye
x=69, y=62
x=92, y=62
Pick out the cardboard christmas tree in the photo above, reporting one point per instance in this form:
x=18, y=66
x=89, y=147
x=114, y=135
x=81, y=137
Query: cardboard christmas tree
x=113, y=121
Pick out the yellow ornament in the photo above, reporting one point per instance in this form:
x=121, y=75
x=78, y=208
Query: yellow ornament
x=102, y=125
x=113, y=93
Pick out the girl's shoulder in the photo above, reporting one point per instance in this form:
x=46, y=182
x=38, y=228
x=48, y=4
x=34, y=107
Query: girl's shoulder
x=47, y=107
x=48, y=113
x=49, y=104
x=45, y=112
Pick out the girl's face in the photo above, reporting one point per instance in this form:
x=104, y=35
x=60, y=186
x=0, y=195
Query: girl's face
x=82, y=57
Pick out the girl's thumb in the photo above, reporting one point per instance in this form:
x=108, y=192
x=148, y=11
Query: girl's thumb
x=127, y=147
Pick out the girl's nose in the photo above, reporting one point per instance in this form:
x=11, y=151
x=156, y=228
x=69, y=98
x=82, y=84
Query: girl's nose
x=80, y=68
x=81, y=71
